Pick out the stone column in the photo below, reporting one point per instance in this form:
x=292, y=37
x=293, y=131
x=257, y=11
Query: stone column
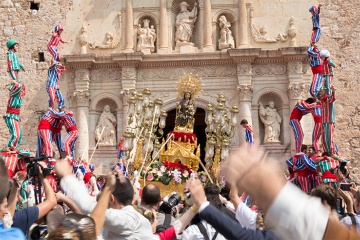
x=82, y=114
x=208, y=46
x=125, y=109
x=245, y=99
x=164, y=39
x=242, y=41
x=129, y=41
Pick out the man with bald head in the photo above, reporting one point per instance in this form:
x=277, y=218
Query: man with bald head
x=151, y=197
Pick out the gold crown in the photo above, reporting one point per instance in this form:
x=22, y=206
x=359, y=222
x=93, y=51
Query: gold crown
x=189, y=82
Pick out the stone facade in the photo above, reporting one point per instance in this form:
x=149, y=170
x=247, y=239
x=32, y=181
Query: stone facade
x=266, y=65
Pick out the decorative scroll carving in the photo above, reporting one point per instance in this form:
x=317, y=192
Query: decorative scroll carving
x=163, y=73
x=295, y=90
x=82, y=98
x=260, y=35
x=269, y=70
x=244, y=69
x=82, y=74
x=106, y=75
x=128, y=73
x=245, y=92
x=295, y=67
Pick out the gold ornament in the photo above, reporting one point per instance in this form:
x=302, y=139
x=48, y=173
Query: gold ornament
x=189, y=83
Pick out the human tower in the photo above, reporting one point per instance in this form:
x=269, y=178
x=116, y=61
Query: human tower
x=51, y=123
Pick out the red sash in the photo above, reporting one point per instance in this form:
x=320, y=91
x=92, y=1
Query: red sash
x=13, y=110
x=44, y=124
x=330, y=175
x=72, y=128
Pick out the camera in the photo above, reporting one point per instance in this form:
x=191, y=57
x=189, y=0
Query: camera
x=341, y=167
x=33, y=166
x=169, y=206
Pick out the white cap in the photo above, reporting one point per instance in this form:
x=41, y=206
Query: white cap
x=324, y=53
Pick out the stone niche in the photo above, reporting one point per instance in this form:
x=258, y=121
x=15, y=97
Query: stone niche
x=231, y=18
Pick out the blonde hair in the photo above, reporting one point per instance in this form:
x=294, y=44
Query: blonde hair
x=146, y=211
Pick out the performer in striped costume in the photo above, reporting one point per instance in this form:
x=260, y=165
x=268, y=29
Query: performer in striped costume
x=314, y=179
x=328, y=119
x=328, y=69
x=316, y=65
x=12, y=116
x=315, y=11
x=316, y=113
x=56, y=135
x=72, y=134
x=45, y=135
x=249, y=137
x=303, y=167
x=53, y=86
x=300, y=109
x=13, y=65
x=55, y=41
x=325, y=163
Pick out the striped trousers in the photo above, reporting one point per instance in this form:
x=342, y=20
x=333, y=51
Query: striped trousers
x=56, y=137
x=315, y=84
x=15, y=132
x=304, y=183
x=14, y=164
x=44, y=144
x=54, y=52
x=298, y=134
x=327, y=81
x=55, y=95
x=14, y=74
x=69, y=143
x=316, y=136
x=328, y=138
x=315, y=36
x=315, y=180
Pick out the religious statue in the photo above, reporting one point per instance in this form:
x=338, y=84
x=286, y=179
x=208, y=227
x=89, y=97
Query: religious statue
x=105, y=132
x=185, y=21
x=185, y=111
x=83, y=39
x=110, y=42
x=226, y=38
x=271, y=120
x=146, y=37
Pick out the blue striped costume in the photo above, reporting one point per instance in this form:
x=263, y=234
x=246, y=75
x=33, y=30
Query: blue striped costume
x=52, y=85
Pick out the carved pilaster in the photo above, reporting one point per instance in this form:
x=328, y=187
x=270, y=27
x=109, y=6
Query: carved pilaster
x=128, y=77
x=82, y=98
x=295, y=90
x=295, y=67
x=245, y=92
x=82, y=79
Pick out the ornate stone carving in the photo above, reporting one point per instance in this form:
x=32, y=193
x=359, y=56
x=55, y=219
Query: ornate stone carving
x=274, y=69
x=174, y=73
x=295, y=90
x=185, y=21
x=109, y=42
x=271, y=120
x=82, y=74
x=106, y=75
x=128, y=73
x=146, y=38
x=82, y=98
x=245, y=92
x=83, y=39
x=292, y=32
x=226, y=38
x=295, y=67
x=260, y=35
x=105, y=132
x=244, y=69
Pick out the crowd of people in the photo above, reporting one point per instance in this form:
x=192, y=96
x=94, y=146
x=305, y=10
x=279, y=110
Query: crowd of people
x=317, y=199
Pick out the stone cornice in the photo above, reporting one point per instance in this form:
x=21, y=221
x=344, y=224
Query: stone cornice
x=79, y=61
x=244, y=55
x=294, y=53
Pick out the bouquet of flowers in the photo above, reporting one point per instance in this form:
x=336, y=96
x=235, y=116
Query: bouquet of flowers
x=166, y=171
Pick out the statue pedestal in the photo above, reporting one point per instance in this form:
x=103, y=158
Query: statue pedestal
x=104, y=158
x=223, y=46
x=146, y=51
x=272, y=143
x=185, y=47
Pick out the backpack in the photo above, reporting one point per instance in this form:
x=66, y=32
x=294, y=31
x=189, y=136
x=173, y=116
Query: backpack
x=166, y=224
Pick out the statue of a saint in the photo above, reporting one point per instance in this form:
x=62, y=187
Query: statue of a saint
x=185, y=111
x=226, y=38
x=185, y=21
x=146, y=37
x=105, y=132
x=272, y=120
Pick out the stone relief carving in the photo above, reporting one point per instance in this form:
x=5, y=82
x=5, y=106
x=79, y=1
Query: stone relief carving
x=109, y=43
x=275, y=69
x=271, y=120
x=82, y=98
x=245, y=92
x=295, y=67
x=128, y=73
x=244, y=69
x=105, y=132
x=260, y=35
x=226, y=38
x=295, y=90
x=291, y=34
x=106, y=75
x=163, y=73
x=83, y=39
x=82, y=74
x=185, y=21
x=146, y=38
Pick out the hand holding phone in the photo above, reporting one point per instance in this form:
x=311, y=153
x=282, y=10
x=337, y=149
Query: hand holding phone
x=345, y=186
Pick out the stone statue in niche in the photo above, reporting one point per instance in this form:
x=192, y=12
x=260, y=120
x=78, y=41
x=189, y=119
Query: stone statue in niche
x=110, y=43
x=146, y=37
x=271, y=120
x=83, y=39
x=226, y=38
x=105, y=132
x=291, y=33
x=185, y=111
x=260, y=35
x=185, y=21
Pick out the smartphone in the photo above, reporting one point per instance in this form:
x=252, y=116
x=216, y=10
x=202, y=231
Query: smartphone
x=345, y=186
